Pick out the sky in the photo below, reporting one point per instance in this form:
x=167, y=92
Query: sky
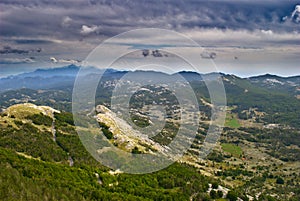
x=245, y=37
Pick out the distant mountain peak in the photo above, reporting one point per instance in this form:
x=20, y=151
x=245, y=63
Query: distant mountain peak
x=69, y=67
x=267, y=75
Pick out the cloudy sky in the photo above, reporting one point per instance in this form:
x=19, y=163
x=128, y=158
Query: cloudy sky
x=243, y=37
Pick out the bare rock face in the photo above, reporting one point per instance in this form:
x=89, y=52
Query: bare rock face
x=25, y=109
x=124, y=136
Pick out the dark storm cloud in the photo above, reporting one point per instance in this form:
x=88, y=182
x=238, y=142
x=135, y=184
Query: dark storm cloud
x=16, y=60
x=67, y=30
x=10, y=50
x=75, y=19
x=32, y=41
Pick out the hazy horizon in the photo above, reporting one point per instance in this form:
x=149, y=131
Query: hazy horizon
x=183, y=70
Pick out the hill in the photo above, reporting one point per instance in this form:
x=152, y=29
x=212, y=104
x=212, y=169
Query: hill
x=289, y=85
x=36, y=165
x=42, y=158
x=257, y=155
x=275, y=97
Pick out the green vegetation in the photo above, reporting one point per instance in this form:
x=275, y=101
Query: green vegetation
x=34, y=166
x=232, y=121
x=215, y=156
x=40, y=119
x=278, y=141
x=58, y=99
x=30, y=140
x=105, y=130
x=233, y=149
x=64, y=117
x=135, y=150
x=232, y=196
x=28, y=179
x=167, y=134
x=279, y=180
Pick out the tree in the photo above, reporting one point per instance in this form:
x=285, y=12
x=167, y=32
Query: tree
x=232, y=196
x=213, y=194
x=220, y=194
x=279, y=180
x=214, y=185
x=135, y=150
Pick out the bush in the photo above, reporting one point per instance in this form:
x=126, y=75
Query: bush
x=214, y=156
x=105, y=130
x=213, y=194
x=40, y=119
x=18, y=123
x=65, y=117
x=214, y=185
x=107, y=133
x=279, y=180
x=135, y=150
x=232, y=196
x=220, y=194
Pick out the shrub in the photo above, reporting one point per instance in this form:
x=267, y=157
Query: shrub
x=213, y=194
x=220, y=194
x=232, y=196
x=135, y=150
x=105, y=130
x=40, y=119
x=215, y=185
x=279, y=180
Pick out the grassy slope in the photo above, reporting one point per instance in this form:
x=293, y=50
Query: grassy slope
x=41, y=170
x=31, y=179
x=235, y=150
x=231, y=121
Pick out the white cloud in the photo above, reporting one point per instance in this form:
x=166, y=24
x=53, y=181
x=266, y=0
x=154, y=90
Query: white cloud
x=267, y=32
x=66, y=21
x=208, y=55
x=67, y=61
x=53, y=59
x=85, y=30
x=296, y=14
x=243, y=38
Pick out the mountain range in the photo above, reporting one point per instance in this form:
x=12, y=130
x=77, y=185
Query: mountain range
x=42, y=157
x=65, y=76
